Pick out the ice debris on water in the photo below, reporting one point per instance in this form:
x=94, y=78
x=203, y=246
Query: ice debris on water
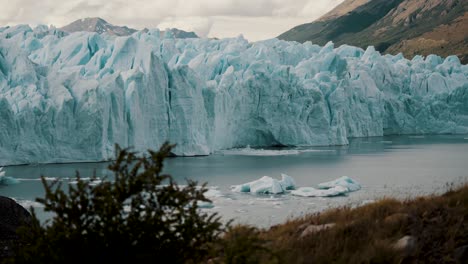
x=267, y=185
x=248, y=151
x=90, y=91
x=314, y=192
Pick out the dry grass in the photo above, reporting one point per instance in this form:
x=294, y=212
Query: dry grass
x=362, y=235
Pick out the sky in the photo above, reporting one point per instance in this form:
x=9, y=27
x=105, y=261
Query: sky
x=254, y=19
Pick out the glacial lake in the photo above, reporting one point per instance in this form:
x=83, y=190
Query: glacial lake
x=391, y=166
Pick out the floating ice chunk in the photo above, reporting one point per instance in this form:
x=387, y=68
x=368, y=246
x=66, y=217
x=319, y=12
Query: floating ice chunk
x=213, y=193
x=264, y=185
x=344, y=181
x=205, y=205
x=92, y=182
x=241, y=188
x=313, y=192
x=49, y=178
x=40, y=179
x=5, y=180
x=287, y=182
x=416, y=137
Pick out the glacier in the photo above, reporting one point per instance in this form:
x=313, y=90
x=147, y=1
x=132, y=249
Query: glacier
x=71, y=97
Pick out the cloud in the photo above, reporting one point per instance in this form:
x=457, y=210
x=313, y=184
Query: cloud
x=256, y=19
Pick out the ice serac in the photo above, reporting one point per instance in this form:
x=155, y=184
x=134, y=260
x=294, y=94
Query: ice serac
x=70, y=97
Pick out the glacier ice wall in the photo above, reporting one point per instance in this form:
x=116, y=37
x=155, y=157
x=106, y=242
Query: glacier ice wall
x=71, y=97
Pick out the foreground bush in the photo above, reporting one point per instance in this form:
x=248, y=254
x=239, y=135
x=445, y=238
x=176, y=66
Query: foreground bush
x=141, y=216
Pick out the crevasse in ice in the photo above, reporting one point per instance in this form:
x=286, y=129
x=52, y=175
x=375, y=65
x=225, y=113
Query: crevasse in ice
x=70, y=97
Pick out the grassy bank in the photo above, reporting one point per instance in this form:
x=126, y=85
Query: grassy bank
x=424, y=230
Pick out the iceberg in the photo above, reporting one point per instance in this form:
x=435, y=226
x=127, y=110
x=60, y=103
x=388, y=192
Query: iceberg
x=264, y=185
x=5, y=180
x=267, y=185
x=71, y=97
x=345, y=182
x=338, y=187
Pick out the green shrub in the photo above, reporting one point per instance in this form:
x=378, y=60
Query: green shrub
x=140, y=216
x=244, y=245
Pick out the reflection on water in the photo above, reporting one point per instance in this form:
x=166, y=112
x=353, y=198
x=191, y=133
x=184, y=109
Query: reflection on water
x=399, y=166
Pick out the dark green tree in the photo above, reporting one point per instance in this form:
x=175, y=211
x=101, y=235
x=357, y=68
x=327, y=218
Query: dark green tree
x=139, y=216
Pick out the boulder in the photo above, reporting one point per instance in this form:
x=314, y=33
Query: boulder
x=461, y=254
x=312, y=229
x=406, y=244
x=12, y=216
x=398, y=218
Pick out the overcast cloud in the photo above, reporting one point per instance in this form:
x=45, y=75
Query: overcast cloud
x=255, y=19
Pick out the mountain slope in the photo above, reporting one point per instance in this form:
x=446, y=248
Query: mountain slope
x=336, y=29
x=100, y=26
x=343, y=9
x=408, y=26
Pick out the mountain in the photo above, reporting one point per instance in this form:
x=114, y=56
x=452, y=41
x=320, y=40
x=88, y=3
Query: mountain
x=409, y=26
x=70, y=97
x=100, y=26
x=177, y=33
x=343, y=8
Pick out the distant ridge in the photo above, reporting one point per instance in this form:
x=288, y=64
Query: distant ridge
x=101, y=26
x=98, y=25
x=413, y=27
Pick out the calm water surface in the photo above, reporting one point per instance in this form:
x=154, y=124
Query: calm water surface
x=394, y=166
